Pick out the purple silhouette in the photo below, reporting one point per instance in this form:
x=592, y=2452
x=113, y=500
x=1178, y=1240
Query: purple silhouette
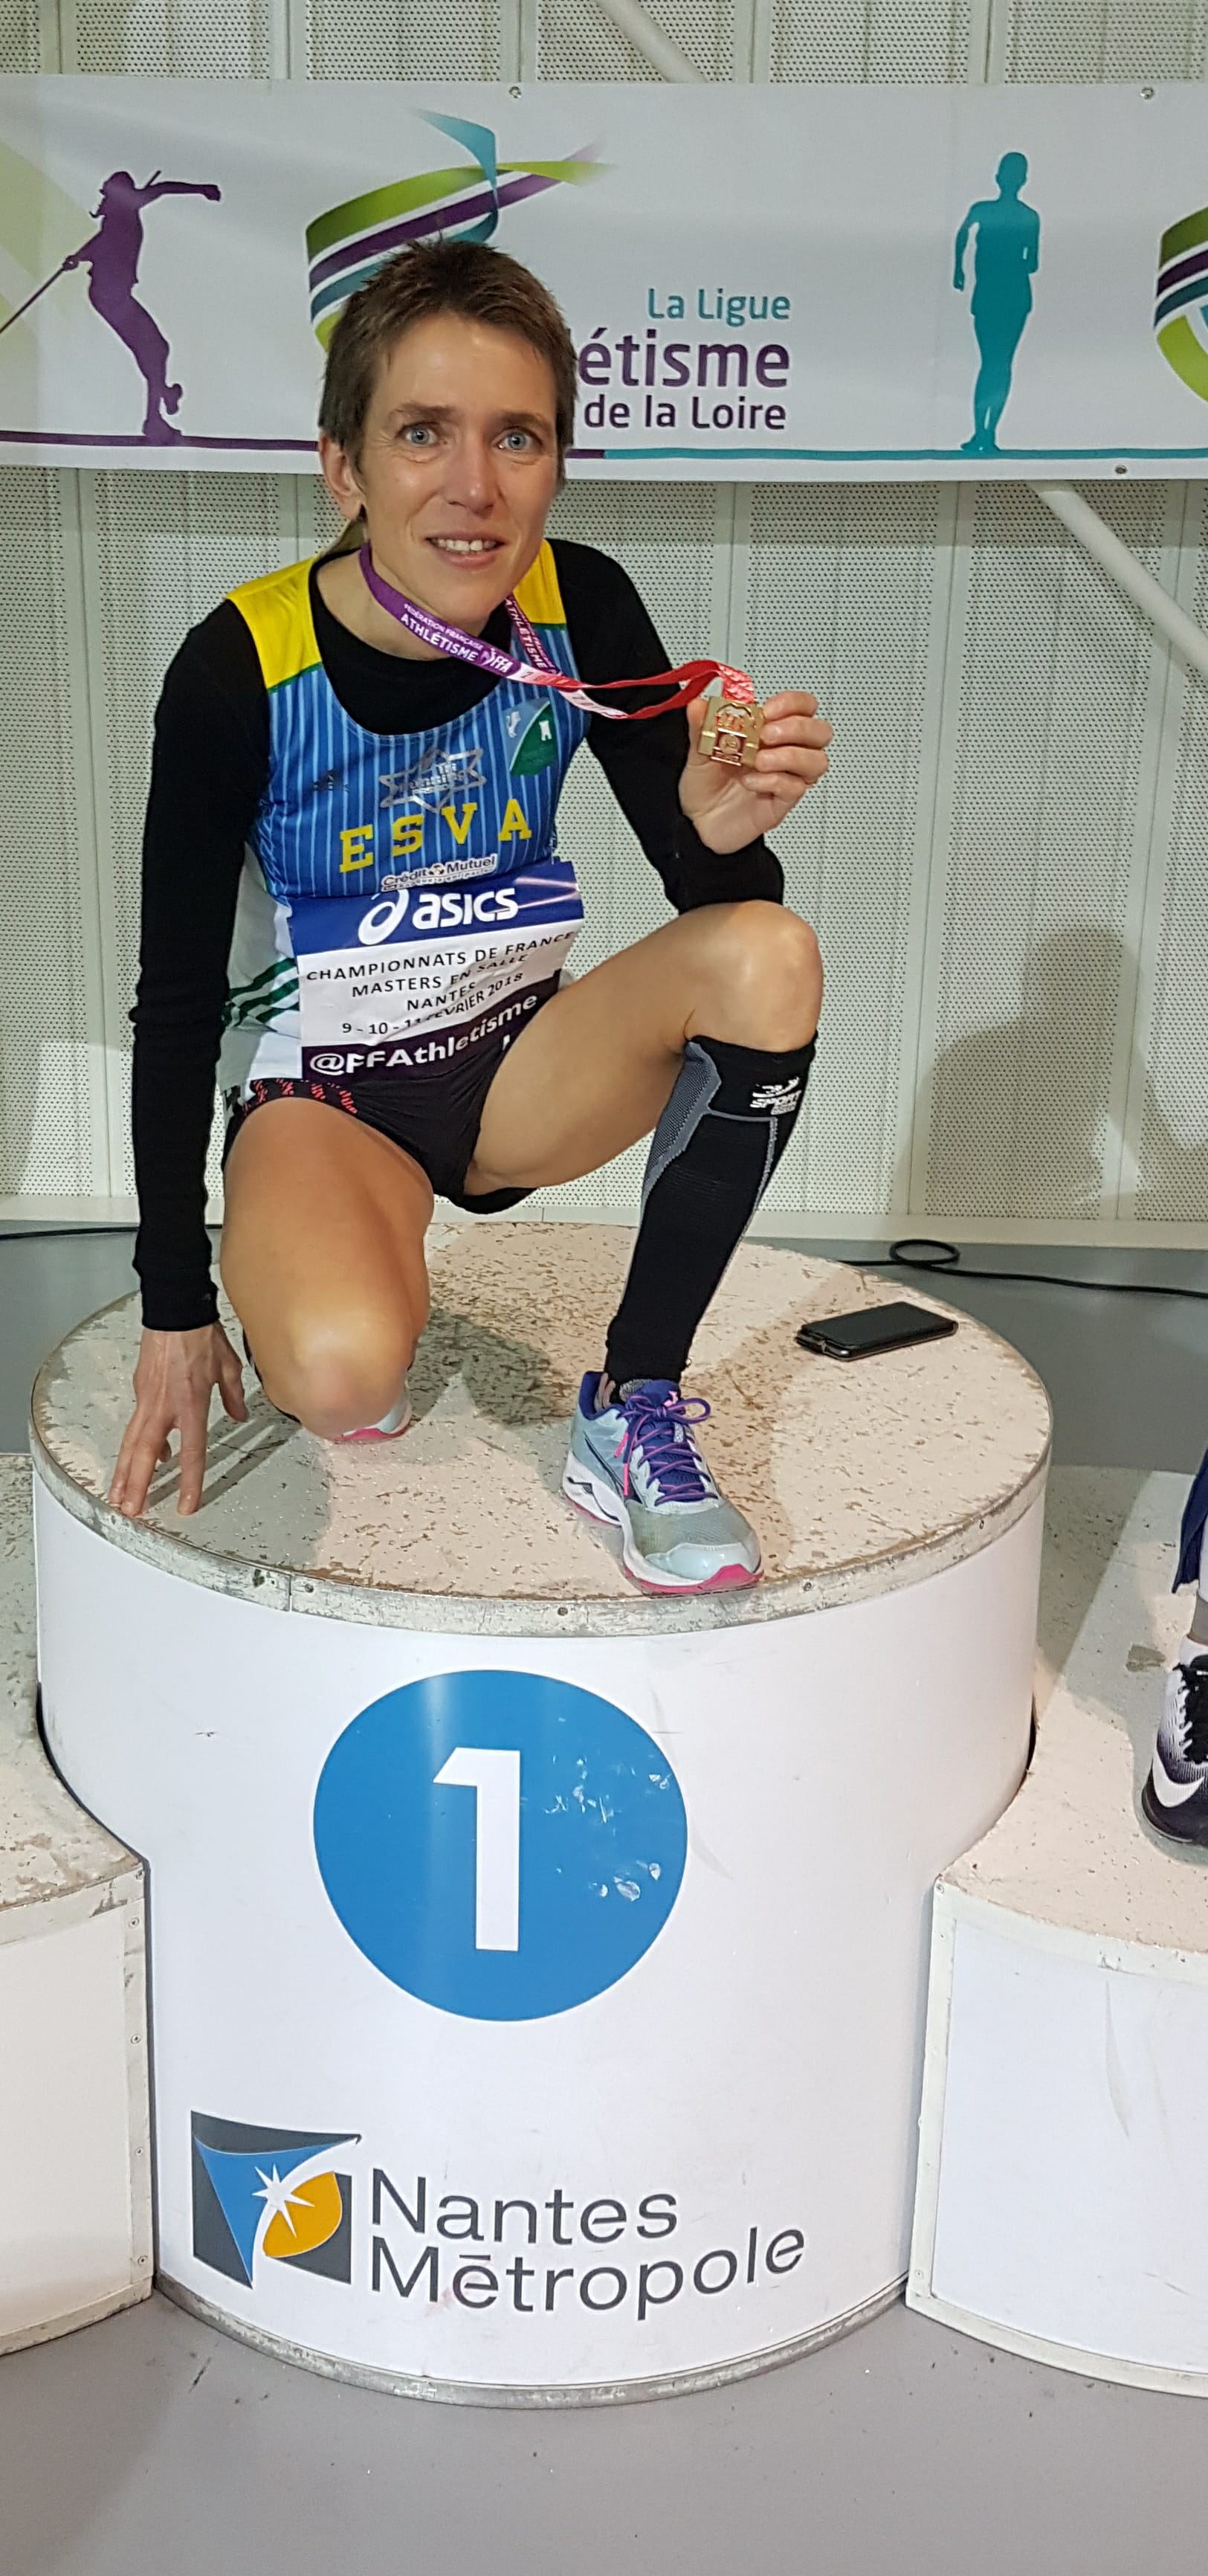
x=113, y=256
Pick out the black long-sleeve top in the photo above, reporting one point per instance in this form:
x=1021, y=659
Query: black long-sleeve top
x=209, y=774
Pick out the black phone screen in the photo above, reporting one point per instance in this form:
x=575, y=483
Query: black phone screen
x=874, y=1328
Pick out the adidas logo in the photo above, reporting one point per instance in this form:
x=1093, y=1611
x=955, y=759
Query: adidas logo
x=778, y=1097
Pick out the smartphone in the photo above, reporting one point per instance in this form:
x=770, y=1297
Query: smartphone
x=873, y=1328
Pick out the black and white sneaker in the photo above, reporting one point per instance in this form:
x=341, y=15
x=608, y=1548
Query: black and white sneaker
x=1175, y=1796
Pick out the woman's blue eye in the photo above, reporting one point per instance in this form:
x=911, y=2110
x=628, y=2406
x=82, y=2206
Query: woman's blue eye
x=517, y=438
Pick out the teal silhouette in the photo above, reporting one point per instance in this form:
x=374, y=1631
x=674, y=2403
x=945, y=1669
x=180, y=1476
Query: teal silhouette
x=1005, y=262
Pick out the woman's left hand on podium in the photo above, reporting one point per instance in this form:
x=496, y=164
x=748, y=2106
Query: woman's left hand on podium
x=173, y=1382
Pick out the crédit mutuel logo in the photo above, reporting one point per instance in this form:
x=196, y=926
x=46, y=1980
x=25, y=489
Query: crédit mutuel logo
x=271, y=2194
x=346, y=246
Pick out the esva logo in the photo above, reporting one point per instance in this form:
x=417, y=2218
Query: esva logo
x=270, y=2193
x=501, y=1845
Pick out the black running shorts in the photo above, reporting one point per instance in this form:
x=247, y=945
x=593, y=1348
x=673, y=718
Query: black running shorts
x=434, y=1115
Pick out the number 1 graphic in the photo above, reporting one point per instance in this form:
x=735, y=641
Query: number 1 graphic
x=494, y=1774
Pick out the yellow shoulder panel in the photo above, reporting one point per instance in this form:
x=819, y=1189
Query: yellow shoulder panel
x=538, y=594
x=276, y=611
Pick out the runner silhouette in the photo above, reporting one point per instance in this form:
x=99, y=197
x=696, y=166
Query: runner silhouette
x=113, y=256
x=1005, y=261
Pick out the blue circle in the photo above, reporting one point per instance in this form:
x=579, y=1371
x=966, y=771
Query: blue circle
x=583, y=1868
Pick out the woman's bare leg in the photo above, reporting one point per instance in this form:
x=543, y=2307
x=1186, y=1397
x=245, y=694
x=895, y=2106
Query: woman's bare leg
x=323, y=1261
x=595, y=1070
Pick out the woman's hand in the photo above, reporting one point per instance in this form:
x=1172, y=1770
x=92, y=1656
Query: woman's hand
x=173, y=1382
x=730, y=807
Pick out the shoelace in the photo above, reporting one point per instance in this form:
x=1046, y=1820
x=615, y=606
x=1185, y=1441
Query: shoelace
x=658, y=1423
x=1195, y=1710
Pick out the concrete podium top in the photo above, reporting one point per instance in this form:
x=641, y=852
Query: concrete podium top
x=1072, y=1851
x=860, y=1477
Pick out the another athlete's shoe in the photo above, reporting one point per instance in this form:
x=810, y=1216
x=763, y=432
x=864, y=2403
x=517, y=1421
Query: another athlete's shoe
x=392, y=1424
x=1175, y=1796
x=637, y=1466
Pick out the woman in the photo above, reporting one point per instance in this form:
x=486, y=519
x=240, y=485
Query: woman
x=388, y=955
x=113, y=255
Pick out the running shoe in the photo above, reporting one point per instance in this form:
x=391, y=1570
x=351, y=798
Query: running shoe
x=1175, y=1796
x=392, y=1424
x=636, y=1465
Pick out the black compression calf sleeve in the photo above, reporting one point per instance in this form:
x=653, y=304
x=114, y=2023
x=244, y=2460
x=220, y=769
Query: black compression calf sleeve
x=712, y=1156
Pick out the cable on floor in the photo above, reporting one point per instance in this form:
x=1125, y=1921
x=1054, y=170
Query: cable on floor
x=46, y=1233
x=923, y=1252
x=911, y=1252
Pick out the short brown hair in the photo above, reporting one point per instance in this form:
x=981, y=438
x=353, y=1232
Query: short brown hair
x=440, y=277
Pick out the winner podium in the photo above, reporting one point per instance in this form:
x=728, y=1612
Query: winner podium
x=537, y=1969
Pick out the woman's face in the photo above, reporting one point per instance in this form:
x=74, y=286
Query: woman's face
x=458, y=466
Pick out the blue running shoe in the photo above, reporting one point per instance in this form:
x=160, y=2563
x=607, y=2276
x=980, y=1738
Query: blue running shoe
x=637, y=1466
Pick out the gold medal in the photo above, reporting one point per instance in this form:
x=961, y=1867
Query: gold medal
x=731, y=732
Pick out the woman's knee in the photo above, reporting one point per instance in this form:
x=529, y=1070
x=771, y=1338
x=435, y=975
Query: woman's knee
x=336, y=1373
x=766, y=973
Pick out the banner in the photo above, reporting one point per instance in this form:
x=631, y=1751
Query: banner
x=781, y=283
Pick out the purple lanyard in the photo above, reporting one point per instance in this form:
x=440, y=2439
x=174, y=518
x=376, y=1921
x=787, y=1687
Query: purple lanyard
x=537, y=671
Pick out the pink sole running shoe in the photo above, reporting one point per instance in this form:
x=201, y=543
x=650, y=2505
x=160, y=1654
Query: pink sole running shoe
x=637, y=1466
x=391, y=1426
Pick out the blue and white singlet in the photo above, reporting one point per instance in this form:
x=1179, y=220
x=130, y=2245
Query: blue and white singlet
x=402, y=899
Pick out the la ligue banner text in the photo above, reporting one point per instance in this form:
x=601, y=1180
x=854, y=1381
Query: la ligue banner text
x=762, y=283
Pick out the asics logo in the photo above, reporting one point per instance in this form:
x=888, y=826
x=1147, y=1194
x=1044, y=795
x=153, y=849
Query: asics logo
x=436, y=912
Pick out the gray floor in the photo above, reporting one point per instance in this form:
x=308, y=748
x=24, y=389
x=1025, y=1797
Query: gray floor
x=151, y=2446
x=1118, y=1367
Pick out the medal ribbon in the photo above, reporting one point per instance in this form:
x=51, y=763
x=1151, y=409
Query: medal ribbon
x=537, y=670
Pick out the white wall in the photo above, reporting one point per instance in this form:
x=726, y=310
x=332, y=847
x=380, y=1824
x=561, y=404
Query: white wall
x=1007, y=869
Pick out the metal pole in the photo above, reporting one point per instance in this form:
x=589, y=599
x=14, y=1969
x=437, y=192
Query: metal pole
x=1122, y=567
x=32, y=299
x=649, y=40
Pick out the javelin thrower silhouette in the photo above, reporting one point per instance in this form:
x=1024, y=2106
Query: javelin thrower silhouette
x=1005, y=261
x=113, y=255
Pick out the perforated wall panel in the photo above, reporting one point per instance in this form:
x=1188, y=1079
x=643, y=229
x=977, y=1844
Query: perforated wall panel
x=578, y=42
x=1100, y=40
x=165, y=548
x=870, y=40
x=405, y=40
x=1007, y=868
x=664, y=537
x=1171, y=1058
x=197, y=39
x=842, y=600
x=1033, y=975
x=51, y=1105
x=318, y=518
x=20, y=36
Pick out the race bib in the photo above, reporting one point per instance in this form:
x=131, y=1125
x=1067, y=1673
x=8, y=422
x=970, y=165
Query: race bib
x=424, y=973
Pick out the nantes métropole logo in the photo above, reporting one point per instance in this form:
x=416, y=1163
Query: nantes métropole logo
x=1181, y=311
x=346, y=246
x=270, y=2192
